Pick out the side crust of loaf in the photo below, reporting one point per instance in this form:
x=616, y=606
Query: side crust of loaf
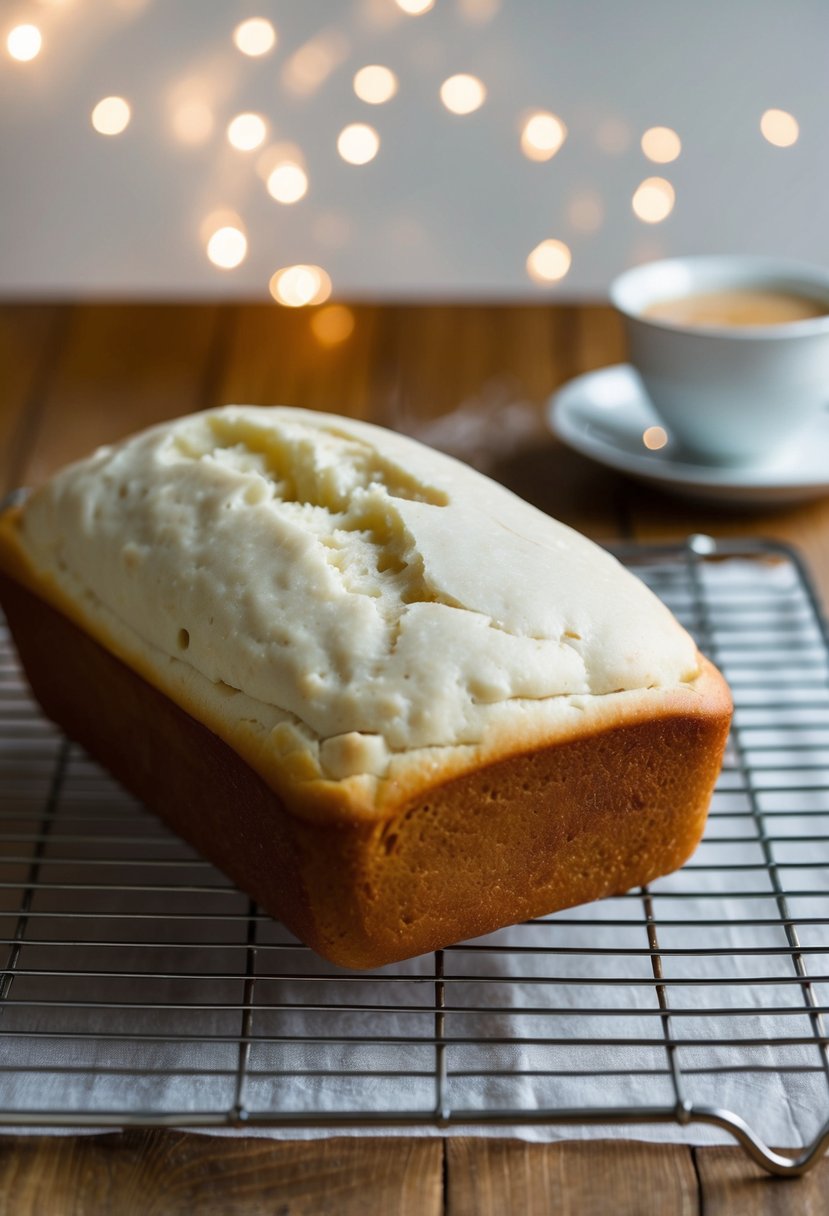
x=522, y=836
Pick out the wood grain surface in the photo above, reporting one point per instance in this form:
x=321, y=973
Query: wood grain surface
x=75, y=376
x=164, y=1173
x=488, y=1177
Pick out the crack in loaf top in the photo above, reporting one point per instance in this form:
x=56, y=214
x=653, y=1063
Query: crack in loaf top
x=347, y=575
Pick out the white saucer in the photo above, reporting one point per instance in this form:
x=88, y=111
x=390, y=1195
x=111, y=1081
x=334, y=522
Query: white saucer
x=604, y=414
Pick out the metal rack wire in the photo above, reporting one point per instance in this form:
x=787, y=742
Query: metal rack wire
x=141, y=988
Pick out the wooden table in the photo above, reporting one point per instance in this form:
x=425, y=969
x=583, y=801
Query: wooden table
x=75, y=376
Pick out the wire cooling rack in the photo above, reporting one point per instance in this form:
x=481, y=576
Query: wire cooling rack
x=140, y=987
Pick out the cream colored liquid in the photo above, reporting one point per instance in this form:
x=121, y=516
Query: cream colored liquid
x=738, y=307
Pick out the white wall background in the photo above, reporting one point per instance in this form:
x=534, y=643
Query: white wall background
x=450, y=207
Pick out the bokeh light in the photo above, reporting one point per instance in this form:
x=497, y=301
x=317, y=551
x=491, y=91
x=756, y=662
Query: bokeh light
x=297, y=286
x=542, y=135
x=358, y=143
x=193, y=121
x=414, y=8
x=312, y=63
x=111, y=116
x=255, y=37
x=780, y=128
x=221, y=217
x=549, y=261
x=333, y=324
x=274, y=155
x=661, y=145
x=247, y=131
x=463, y=94
x=653, y=201
x=654, y=438
x=287, y=182
x=24, y=42
x=375, y=84
x=227, y=247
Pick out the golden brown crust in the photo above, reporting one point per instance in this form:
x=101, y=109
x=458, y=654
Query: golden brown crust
x=526, y=834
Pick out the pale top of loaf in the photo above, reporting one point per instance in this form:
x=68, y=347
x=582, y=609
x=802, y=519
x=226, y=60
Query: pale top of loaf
x=346, y=592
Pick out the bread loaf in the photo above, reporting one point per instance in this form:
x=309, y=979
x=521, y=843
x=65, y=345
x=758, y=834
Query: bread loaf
x=395, y=703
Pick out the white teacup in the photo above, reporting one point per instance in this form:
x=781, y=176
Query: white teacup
x=729, y=392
